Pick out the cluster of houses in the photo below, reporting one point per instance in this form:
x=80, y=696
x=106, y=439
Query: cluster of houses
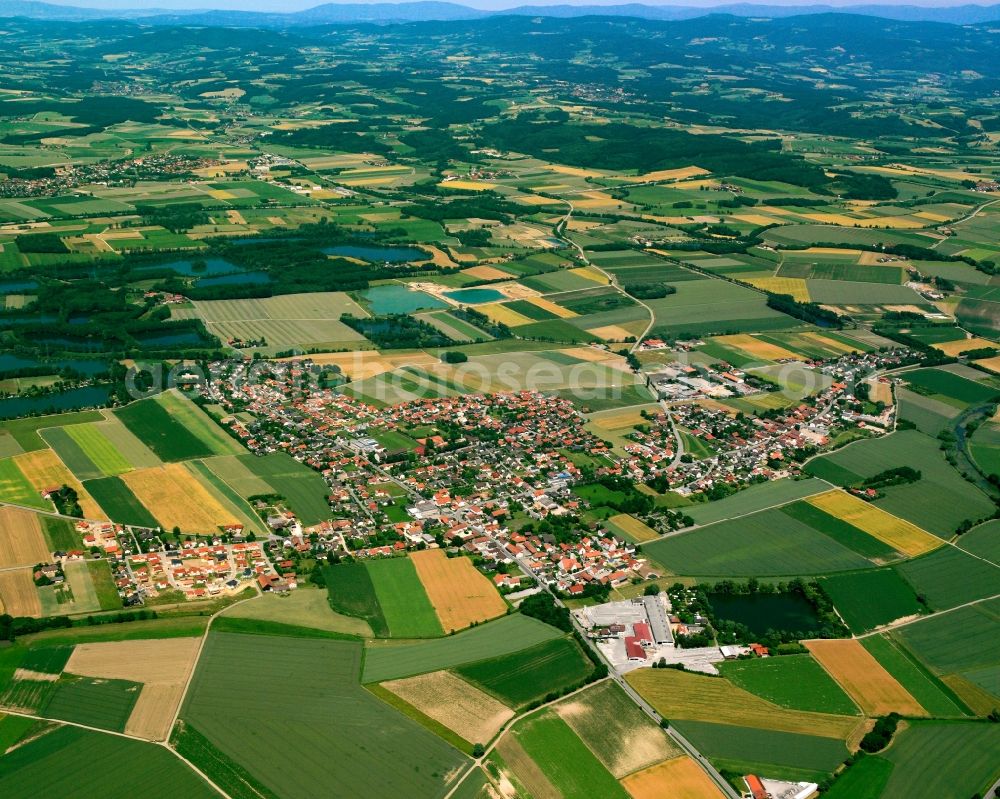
x=201, y=571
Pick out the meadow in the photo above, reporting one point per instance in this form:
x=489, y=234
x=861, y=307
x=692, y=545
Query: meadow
x=401, y=596
x=764, y=543
x=756, y=749
x=563, y=759
x=917, y=502
x=520, y=678
x=796, y=682
x=624, y=738
x=303, y=489
x=687, y=695
x=119, y=503
x=72, y=761
x=755, y=498
x=351, y=592
x=944, y=759
x=391, y=660
x=869, y=599
x=841, y=531
x=923, y=686
x=175, y=428
x=95, y=702
x=312, y=685
x=950, y=577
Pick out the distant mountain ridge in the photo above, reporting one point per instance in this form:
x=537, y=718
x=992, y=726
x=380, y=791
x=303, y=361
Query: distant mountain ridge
x=433, y=10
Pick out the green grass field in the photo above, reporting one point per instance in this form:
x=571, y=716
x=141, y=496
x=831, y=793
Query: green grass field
x=15, y=488
x=118, y=501
x=390, y=660
x=176, y=429
x=869, y=599
x=918, y=502
x=570, y=766
x=949, y=387
x=72, y=454
x=793, y=681
x=60, y=534
x=764, y=747
x=755, y=498
x=25, y=431
x=404, y=602
x=964, y=639
x=74, y=762
x=948, y=577
x=104, y=584
x=100, y=450
x=943, y=759
x=865, y=779
x=303, y=489
x=523, y=677
x=351, y=592
x=933, y=696
x=840, y=531
x=762, y=544
x=327, y=720
x=96, y=703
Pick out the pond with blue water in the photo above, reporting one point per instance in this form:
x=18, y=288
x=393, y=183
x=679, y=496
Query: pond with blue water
x=85, y=397
x=474, y=296
x=399, y=299
x=392, y=255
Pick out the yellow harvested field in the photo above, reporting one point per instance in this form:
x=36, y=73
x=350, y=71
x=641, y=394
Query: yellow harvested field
x=993, y=364
x=573, y=170
x=874, y=690
x=626, y=417
x=681, y=173
x=678, y=778
x=961, y=345
x=459, y=593
x=589, y=273
x=932, y=217
x=220, y=194
x=467, y=185
x=634, y=528
x=822, y=340
x=534, y=199
x=610, y=332
x=17, y=593
x=758, y=348
x=834, y=251
x=504, y=315
x=901, y=535
x=21, y=539
x=162, y=665
x=450, y=700
x=591, y=354
x=755, y=219
x=235, y=217
x=44, y=470
x=357, y=365
x=879, y=391
x=176, y=499
x=486, y=273
x=699, y=697
x=551, y=307
x=794, y=286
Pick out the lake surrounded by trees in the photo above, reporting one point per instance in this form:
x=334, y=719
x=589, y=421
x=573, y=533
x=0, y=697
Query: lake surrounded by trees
x=762, y=612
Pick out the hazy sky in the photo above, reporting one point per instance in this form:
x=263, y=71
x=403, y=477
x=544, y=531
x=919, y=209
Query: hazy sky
x=299, y=5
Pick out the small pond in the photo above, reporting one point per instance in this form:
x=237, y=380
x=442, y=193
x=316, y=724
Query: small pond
x=242, y=278
x=474, y=296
